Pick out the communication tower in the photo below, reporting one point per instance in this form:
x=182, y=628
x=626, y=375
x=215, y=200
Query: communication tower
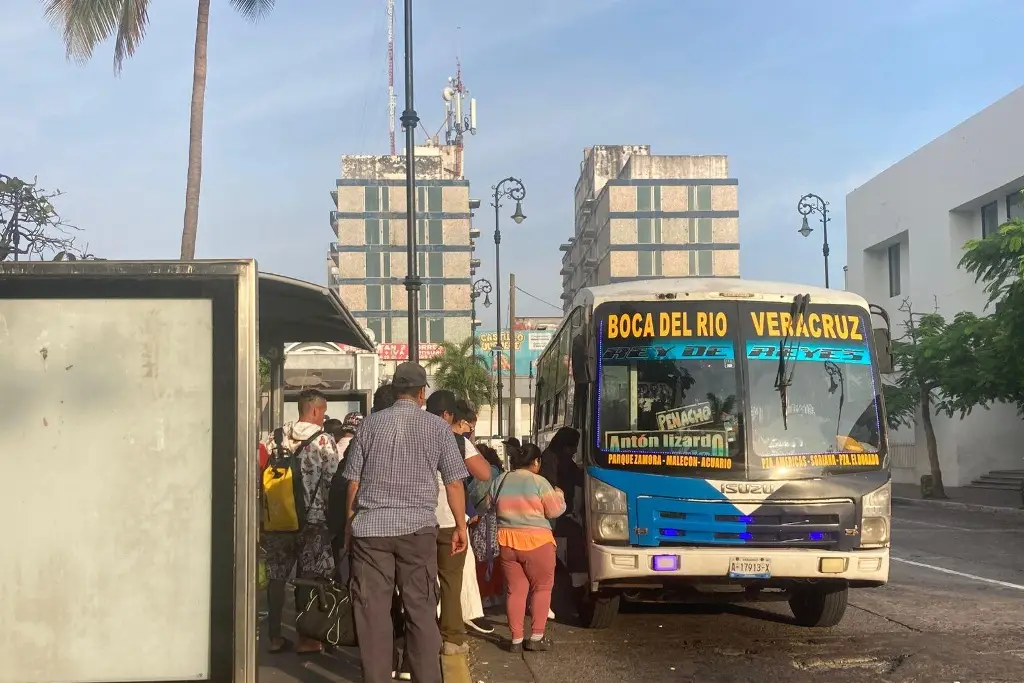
x=457, y=120
x=391, y=73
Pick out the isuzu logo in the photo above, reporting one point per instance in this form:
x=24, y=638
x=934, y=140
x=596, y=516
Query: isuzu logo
x=763, y=489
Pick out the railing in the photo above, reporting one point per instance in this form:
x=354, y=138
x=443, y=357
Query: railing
x=903, y=455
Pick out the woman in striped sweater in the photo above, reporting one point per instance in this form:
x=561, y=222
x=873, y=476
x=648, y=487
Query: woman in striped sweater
x=525, y=503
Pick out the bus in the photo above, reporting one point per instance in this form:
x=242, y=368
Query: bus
x=733, y=445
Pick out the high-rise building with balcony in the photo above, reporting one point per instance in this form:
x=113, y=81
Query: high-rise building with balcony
x=368, y=261
x=641, y=216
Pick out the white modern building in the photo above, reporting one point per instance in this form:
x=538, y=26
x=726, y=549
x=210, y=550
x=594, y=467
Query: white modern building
x=906, y=228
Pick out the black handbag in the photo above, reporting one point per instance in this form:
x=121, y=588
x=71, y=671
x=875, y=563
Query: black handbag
x=328, y=616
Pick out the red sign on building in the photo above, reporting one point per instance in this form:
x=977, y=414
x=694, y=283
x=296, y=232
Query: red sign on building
x=392, y=351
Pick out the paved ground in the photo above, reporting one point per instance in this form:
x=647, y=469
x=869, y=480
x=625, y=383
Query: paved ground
x=953, y=611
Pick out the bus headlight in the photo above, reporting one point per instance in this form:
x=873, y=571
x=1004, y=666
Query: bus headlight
x=609, y=512
x=875, y=516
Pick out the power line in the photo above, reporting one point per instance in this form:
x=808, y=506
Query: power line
x=534, y=296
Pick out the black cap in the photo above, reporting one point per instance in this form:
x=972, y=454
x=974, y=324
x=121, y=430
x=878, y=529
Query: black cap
x=409, y=375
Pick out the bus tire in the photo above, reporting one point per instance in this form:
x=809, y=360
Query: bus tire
x=819, y=606
x=598, y=610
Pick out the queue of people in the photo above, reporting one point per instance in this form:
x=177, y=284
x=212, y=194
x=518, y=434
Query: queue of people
x=424, y=525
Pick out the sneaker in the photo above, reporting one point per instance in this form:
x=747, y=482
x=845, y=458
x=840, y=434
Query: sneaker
x=515, y=648
x=401, y=676
x=480, y=625
x=551, y=614
x=542, y=645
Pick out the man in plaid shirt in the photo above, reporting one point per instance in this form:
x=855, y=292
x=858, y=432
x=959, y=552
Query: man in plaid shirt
x=392, y=468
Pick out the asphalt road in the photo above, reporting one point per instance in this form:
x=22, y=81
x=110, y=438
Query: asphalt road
x=953, y=611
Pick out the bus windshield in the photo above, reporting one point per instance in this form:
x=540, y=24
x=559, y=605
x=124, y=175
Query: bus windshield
x=833, y=417
x=692, y=388
x=668, y=389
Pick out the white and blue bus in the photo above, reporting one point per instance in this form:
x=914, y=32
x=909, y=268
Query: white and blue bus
x=733, y=445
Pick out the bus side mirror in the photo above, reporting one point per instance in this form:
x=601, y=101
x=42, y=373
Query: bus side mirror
x=883, y=350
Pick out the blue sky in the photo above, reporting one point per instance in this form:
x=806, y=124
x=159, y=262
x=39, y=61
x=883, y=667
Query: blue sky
x=803, y=95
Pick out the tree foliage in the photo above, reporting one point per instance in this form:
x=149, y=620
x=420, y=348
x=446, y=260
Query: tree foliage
x=264, y=373
x=459, y=370
x=30, y=226
x=997, y=262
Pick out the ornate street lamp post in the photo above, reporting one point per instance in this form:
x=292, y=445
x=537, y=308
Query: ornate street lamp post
x=510, y=188
x=812, y=203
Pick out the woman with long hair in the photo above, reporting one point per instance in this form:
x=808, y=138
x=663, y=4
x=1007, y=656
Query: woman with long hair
x=525, y=503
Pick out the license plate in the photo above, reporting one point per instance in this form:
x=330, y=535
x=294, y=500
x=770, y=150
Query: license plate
x=750, y=568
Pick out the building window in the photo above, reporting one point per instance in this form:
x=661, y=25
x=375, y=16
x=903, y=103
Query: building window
x=431, y=330
x=702, y=262
x=381, y=328
x=428, y=199
x=378, y=297
x=432, y=264
x=432, y=298
x=377, y=231
x=989, y=219
x=648, y=263
x=1015, y=206
x=376, y=198
x=430, y=232
x=701, y=231
x=648, y=230
x=894, y=270
x=648, y=198
x=700, y=197
x=378, y=264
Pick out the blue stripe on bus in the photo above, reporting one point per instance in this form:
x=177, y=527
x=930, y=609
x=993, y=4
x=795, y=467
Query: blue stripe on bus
x=650, y=496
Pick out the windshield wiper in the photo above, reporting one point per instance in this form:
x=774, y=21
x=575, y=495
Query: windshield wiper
x=783, y=380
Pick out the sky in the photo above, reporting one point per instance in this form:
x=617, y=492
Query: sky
x=802, y=95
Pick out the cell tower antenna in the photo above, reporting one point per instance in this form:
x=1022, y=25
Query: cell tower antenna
x=391, y=74
x=457, y=121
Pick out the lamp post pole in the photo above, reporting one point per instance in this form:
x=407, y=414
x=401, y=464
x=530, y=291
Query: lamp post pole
x=409, y=122
x=481, y=286
x=511, y=188
x=812, y=203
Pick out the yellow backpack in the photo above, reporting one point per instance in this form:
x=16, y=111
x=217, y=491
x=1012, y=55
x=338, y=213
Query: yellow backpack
x=283, y=493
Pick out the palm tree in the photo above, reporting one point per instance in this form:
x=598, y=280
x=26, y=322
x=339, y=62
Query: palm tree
x=459, y=370
x=86, y=23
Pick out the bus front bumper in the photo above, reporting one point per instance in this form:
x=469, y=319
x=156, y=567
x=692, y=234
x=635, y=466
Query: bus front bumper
x=609, y=562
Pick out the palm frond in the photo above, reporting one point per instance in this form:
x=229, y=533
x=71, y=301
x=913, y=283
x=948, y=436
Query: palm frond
x=459, y=370
x=84, y=24
x=253, y=10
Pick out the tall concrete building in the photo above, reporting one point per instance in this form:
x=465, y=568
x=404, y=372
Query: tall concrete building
x=368, y=261
x=640, y=216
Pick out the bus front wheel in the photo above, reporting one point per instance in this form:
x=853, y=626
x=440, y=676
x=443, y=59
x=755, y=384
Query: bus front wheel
x=819, y=606
x=597, y=610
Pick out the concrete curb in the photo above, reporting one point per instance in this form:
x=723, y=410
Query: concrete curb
x=954, y=505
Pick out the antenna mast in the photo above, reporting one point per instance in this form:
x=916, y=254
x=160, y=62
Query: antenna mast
x=391, y=74
x=456, y=124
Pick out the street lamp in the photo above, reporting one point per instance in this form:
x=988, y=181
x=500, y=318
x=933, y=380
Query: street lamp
x=409, y=122
x=481, y=286
x=812, y=203
x=511, y=188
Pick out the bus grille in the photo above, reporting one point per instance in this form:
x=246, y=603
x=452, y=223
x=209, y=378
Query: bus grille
x=680, y=523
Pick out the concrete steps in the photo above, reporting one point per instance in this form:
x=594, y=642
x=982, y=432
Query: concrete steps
x=1000, y=480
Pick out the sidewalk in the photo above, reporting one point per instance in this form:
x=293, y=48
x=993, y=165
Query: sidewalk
x=961, y=498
